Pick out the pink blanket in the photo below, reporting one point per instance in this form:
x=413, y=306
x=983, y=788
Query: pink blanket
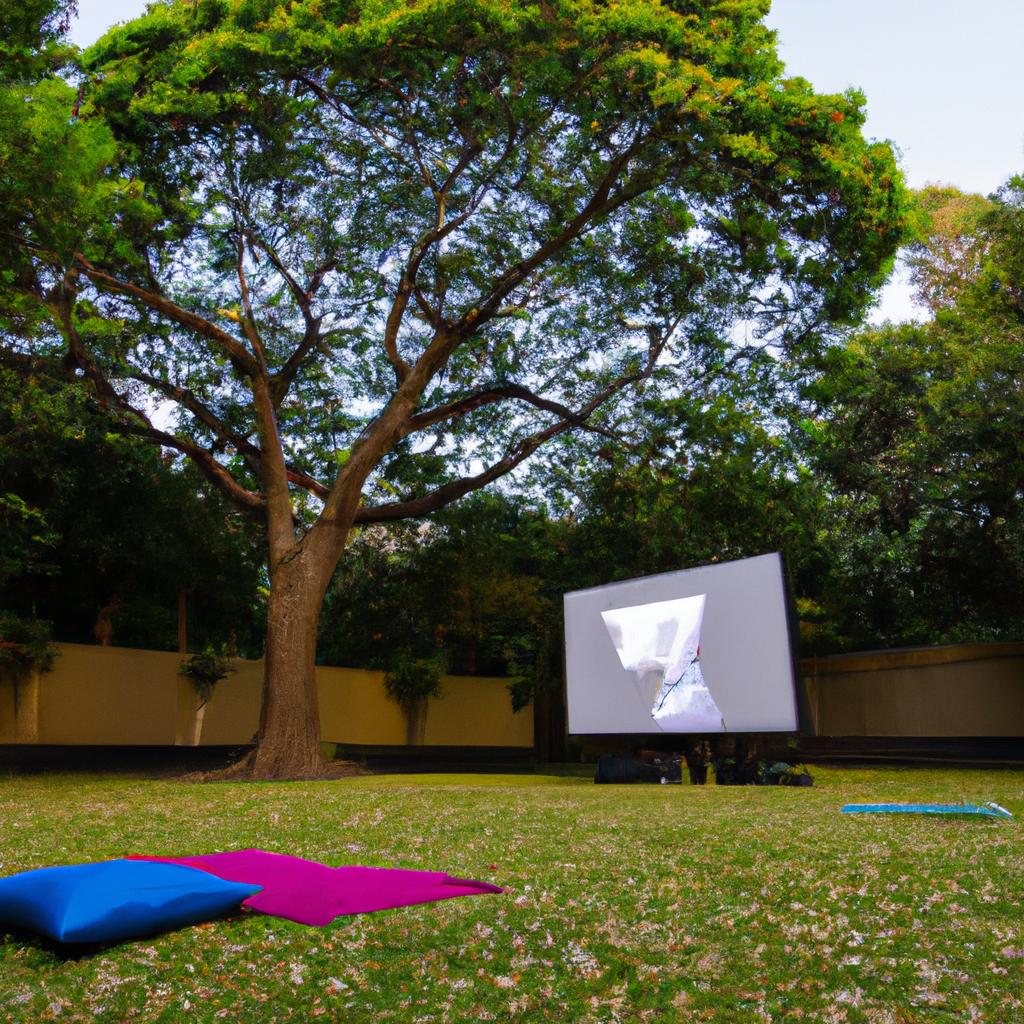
x=312, y=893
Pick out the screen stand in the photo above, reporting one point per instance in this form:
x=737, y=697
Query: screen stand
x=696, y=755
x=734, y=759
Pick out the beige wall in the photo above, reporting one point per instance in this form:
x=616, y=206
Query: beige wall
x=8, y=727
x=233, y=713
x=955, y=690
x=108, y=695
x=118, y=696
x=111, y=695
x=477, y=723
x=354, y=708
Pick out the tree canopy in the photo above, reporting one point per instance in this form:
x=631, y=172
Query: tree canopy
x=32, y=38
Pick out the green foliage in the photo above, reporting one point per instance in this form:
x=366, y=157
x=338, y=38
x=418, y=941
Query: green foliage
x=32, y=37
x=60, y=198
x=521, y=691
x=947, y=254
x=914, y=438
x=717, y=478
x=96, y=526
x=996, y=301
x=316, y=138
x=26, y=644
x=410, y=680
x=472, y=581
x=208, y=668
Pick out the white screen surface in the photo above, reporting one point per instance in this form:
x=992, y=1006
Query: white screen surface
x=698, y=651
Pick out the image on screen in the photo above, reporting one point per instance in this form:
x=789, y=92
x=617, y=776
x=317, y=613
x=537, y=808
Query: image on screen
x=659, y=646
x=699, y=651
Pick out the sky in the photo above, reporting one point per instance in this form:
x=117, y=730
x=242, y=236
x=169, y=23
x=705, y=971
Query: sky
x=943, y=79
x=944, y=82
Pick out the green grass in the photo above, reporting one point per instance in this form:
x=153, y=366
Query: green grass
x=659, y=903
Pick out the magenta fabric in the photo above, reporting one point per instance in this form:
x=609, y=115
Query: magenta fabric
x=312, y=893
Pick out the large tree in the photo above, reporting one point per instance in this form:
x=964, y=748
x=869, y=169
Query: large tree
x=380, y=253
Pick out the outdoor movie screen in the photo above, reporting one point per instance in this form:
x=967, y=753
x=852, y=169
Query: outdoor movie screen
x=703, y=650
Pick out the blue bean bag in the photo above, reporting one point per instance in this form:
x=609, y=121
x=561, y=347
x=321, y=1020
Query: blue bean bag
x=115, y=899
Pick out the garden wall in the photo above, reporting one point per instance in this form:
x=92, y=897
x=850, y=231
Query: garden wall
x=117, y=696
x=960, y=690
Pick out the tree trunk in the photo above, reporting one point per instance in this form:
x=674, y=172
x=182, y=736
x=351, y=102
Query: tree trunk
x=288, y=742
x=415, y=722
x=197, y=721
x=103, y=630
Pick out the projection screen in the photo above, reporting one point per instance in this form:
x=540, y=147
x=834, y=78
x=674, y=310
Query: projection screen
x=704, y=650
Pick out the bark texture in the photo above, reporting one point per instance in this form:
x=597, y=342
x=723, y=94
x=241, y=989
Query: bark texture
x=288, y=742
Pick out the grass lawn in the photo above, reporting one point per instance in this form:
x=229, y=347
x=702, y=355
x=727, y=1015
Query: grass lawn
x=623, y=903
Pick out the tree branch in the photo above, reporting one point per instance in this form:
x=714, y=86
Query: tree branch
x=523, y=449
x=229, y=346
x=139, y=424
x=246, y=448
x=203, y=413
x=216, y=473
x=379, y=136
x=306, y=482
x=450, y=492
x=501, y=393
x=281, y=381
x=78, y=357
x=407, y=289
x=441, y=230
x=600, y=204
x=24, y=362
x=248, y=317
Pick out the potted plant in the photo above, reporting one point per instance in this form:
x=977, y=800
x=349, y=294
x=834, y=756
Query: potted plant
x=410, y=683
x=206, y=670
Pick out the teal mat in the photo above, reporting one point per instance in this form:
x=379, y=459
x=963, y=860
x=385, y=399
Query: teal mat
x=988, y=810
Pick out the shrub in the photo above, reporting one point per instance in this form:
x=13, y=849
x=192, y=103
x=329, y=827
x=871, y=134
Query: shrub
x=410, y=679
x=207, y=669
x=26, y=645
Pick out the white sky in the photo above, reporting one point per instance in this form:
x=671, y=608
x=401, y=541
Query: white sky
x=944, y=80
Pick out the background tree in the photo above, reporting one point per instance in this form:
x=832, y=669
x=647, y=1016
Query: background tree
x=917, y=450
x=716, y=478
x=348, y=237
x=99, y=534
x=470, y=583
x=477, y=588
x=915, y=435
x=948, y=253
x=32, y=38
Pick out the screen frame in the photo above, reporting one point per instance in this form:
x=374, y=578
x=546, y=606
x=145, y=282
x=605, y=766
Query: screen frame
x=684, y=583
